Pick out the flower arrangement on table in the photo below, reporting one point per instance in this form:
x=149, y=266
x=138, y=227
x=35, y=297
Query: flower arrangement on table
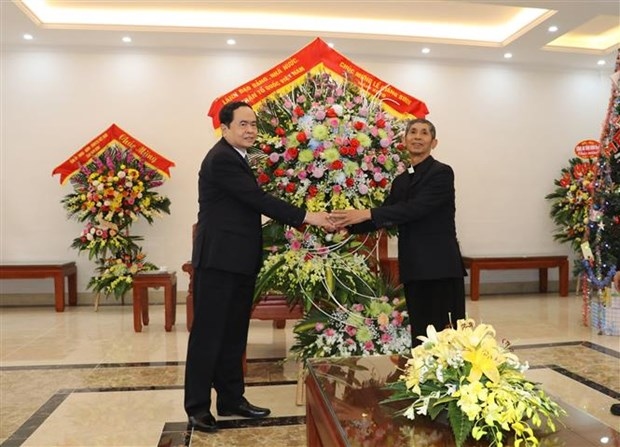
x=479, y=383
x=325, y=144
x=110, y=193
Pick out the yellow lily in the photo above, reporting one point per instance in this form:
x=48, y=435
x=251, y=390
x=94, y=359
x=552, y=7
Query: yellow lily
x=482, y=362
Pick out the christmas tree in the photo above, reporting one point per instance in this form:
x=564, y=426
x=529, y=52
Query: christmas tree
x=603, y=233
x=602, y=246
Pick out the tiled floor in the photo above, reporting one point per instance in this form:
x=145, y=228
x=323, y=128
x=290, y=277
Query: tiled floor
x=84, y=378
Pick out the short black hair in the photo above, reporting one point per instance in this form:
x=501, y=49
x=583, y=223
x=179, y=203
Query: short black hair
x=227, y=112
x=431, y=126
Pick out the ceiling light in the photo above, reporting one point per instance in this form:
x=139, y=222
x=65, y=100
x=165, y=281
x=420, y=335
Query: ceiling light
x=501, y=27
x=552, y=29
x=28, y=37
x=601, y=62
x=231, y=42
x=426, y=50
x=127, y=39
x=507, y=55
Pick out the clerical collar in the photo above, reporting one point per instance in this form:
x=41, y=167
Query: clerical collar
x=421, y=166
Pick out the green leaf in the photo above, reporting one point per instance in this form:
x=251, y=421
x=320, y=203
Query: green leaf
x=460, y=423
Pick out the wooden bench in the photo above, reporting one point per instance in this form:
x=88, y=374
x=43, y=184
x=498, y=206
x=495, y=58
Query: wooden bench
x=542, y=263
x=56, y=271
x=141, y=284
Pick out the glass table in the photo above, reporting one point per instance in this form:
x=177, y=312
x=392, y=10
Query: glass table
x=343, y=408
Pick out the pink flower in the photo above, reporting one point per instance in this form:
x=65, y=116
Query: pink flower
x=295, y=245
x=274, y=157
x=369, y=346
x=386, y=338
x=330, y=332
x=350, y=330
x=320, y=115
x=319, y=327
x=317, y=172
x=362, y=189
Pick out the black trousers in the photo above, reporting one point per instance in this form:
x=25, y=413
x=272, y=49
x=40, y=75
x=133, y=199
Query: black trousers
x=440, y=302
x=218, y=338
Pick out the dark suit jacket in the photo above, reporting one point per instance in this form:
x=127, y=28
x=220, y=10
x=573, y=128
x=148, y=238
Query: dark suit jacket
x=422, y=205
x=229, y=232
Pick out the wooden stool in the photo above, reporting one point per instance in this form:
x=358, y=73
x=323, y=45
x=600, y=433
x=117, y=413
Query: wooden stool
x=141, y=283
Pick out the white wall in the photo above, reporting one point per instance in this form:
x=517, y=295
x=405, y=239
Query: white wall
x=506, y=130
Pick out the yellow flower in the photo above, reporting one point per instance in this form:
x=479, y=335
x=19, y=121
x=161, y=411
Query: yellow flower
x=331, y=155
x=482, y=362
x=471, y=396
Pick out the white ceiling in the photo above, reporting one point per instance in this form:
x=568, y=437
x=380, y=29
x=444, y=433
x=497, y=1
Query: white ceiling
x=354, y=27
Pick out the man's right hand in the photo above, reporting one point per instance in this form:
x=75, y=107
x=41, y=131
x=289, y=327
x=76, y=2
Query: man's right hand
x=320, y=219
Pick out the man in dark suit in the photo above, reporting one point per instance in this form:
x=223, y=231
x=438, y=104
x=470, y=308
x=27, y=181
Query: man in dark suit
x=422, y=204
x=227, y=255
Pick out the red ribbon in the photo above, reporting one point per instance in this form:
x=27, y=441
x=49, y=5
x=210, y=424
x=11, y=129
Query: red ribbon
x=101, y=142
x=296, y=66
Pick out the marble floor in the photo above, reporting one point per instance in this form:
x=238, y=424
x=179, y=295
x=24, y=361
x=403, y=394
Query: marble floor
x=85, y=378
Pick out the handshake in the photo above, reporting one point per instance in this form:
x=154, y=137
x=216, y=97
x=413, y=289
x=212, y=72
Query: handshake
x=338, y=219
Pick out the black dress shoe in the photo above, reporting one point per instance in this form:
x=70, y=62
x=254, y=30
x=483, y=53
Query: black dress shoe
x=615, y=409
x=205, y=422
x=244, y=409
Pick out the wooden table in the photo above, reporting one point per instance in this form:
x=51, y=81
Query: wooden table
x=542, y=263
x=57, y=271
x=342, y=409
x=141, y=283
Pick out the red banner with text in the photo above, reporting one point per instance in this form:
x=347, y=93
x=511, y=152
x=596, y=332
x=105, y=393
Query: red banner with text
x=113, y=135
x=318, y=55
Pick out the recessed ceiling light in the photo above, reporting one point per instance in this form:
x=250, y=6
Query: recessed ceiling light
x=552, y=29
x=601, y=62
x=126, y=39
x=426, y=50
x=507, y=55
x=28, y=37
x=231, y=42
